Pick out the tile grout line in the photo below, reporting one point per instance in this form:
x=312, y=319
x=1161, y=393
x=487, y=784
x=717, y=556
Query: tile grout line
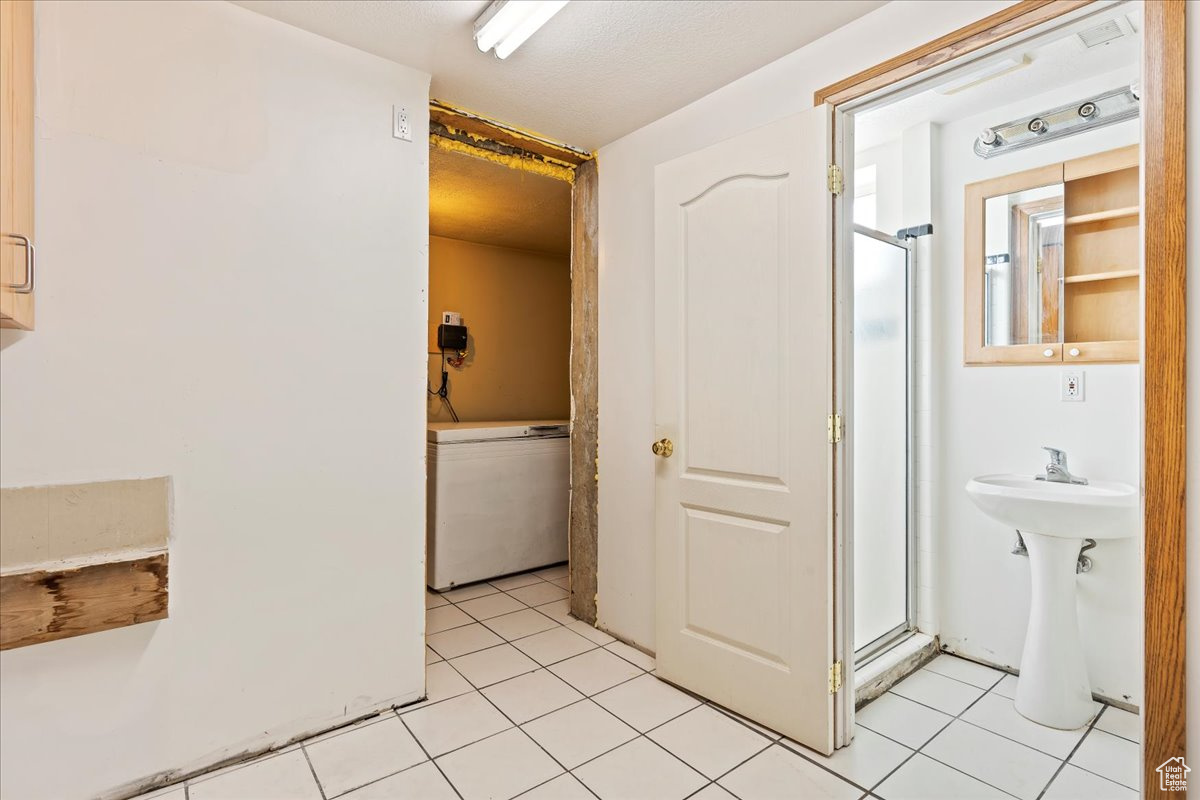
x=430, y=759
x=488, y=582
x=307, y=760
x=519, y=674
x=590, y=697
x=525, y=733
x=740, y=764
x=477, y=621
x=1104, y=777
x=702, y=788
x=959, y=716
x=819, y=765
x=240, y=765
x=505, y=641
x=919, y=750
x=912, y=754
x=426, y=704
x=1071, y=755
x=374, y=781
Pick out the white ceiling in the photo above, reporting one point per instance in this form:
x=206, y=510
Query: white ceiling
x=481, y=201
x=597, y=71
x=1058, y=61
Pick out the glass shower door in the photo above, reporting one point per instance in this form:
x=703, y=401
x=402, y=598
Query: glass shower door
x=880, y=434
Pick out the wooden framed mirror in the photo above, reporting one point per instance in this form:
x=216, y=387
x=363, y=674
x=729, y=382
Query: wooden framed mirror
x=1051, y=263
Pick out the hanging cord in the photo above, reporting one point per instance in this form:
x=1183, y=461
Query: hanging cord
x=443, y=391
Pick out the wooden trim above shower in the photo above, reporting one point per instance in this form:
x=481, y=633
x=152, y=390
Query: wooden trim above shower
x=1014, y=19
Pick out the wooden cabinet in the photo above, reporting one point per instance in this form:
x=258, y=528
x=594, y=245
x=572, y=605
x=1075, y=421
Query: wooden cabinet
x=17, y=255
x=1052, y=269
x=1101, y=276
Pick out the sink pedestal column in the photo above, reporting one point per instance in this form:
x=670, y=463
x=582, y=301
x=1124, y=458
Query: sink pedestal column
x=1053, y=687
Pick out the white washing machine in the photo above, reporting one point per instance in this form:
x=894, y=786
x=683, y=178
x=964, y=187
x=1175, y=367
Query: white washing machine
x=498, y=495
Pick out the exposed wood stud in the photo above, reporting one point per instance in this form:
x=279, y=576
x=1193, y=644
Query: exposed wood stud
x=46, y=605
x=584, y=387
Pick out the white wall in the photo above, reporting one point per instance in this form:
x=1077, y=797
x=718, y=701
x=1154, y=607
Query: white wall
x=232, y=283
x=996, y=419
x=888, y=160
x=626, y=504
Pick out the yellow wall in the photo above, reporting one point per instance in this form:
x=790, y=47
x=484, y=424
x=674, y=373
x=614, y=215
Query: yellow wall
x=516, y=305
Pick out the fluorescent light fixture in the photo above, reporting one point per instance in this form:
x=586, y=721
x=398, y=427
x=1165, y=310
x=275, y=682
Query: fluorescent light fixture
x=506, y=24
x=973, y=78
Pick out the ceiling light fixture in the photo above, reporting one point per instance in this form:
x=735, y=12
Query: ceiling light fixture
x=505, y=24
x=994, y=69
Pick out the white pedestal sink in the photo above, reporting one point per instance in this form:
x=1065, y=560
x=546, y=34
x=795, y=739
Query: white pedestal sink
x=1054, y=519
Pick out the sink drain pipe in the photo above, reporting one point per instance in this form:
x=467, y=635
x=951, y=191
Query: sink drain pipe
x=1083, y=565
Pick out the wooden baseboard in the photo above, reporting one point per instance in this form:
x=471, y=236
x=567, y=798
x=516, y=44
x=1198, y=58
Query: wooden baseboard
x=44, y=605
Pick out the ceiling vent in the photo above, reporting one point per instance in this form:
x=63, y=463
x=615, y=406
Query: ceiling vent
x=1105, y=32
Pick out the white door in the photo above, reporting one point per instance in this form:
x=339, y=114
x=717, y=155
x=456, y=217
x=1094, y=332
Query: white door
x=744, y=344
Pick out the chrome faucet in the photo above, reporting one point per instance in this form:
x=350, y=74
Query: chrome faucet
x=1056, y=470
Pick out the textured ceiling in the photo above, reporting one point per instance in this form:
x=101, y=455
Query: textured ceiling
x=480, y=201
x=597, y=71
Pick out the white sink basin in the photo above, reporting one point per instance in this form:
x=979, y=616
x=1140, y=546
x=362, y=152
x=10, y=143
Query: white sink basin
x=1097, y=510
x=1054, y=519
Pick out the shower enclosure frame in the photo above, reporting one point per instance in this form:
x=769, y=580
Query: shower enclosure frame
x=889, y=639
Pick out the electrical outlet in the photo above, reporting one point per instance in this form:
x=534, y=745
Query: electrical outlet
x=401, y=128
x=1072, y=386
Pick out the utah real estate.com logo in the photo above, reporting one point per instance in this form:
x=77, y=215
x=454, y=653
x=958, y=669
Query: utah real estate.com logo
x=1172, y=775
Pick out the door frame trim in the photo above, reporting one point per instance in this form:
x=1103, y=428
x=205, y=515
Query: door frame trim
x=1164, y=322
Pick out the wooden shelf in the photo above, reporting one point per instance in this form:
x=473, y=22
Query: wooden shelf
x=1100, y=216
x=1112, y=275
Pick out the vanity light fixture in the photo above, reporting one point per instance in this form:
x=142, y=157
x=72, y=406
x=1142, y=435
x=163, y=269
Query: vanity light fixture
x=1084, y=115
x=505, y=24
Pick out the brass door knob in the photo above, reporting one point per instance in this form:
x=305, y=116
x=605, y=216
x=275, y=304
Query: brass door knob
x=663, y=447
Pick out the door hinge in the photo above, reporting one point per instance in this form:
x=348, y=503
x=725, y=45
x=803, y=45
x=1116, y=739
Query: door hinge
x=836, y=182
x=833, y=425
x=835, y=677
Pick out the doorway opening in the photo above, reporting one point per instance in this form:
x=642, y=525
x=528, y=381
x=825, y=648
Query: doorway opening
x=506, y=395
x=498, y=400
x=1028, y=287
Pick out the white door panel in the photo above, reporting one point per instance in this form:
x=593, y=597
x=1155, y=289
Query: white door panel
x=743, y=387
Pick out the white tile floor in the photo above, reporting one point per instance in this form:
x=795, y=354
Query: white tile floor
x=526, y=701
